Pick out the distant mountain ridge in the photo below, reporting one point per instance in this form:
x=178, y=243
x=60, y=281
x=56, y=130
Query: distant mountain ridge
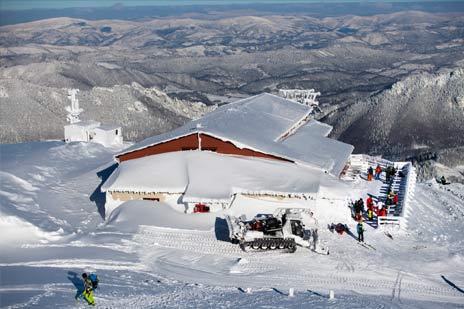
x=356, y=62
x=422, y=113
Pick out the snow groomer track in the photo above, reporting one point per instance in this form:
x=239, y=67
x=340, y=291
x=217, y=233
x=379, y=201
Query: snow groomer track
x=204, y=242
x=270, y=269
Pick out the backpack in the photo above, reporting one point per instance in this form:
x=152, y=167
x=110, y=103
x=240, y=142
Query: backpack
x=94, y=279
x=360, y=228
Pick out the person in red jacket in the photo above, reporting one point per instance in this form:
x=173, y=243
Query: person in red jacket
x=382, y=212
x=370, y=207
x=369, y=201
x=395, y=199
x=378, y=171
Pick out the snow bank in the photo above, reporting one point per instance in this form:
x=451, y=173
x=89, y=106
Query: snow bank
x=161, y=173
x=16, y=232
x=130, y=215
x=207, y=176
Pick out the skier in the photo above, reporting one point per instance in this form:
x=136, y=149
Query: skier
x=360, y=229
x=359, y=208
x=395, y=199
x=382, y=212
x=388, y=172
x=370, y=173
x=88, y=289
x=443, y=180
x=315, y=238
x=390, y=196
x=378, y=171
x=370, y=208
x=369, y=201
x=393, y=170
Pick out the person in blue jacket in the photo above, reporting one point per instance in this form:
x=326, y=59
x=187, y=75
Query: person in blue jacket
x=360, y=229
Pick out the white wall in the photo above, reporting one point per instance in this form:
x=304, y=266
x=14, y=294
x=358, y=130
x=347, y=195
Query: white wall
x=108, y=137
x=73, y=133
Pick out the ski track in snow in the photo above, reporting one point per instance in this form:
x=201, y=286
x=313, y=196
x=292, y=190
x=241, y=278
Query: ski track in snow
x=204, y=243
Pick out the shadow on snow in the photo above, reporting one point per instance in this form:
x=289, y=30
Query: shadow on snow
x=98, y=196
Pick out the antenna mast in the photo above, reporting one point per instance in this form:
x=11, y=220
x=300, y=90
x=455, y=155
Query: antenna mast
x=73, y=111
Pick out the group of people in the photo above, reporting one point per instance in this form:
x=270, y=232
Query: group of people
x=375, y=174
x=90, y=284
x=371, y=173
x=341, y=228
x=390, y=172
x=392, y=197
x=372, y=208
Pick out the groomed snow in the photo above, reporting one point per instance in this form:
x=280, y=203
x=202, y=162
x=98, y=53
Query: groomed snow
x=173, y=261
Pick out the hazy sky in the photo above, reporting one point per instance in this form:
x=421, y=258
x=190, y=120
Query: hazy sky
x=59, y=4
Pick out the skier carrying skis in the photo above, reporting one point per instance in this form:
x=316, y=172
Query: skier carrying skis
x=88, y=289
x=360, y=229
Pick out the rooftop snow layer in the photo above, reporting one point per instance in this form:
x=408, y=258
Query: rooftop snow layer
x=327, y=153
x=109, y=127
x=208, y=176
x=257, y=123
x=318, y=128
x=86, y=124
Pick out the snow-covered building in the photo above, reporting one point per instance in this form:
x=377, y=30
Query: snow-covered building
x=89, y=130
x=262, y=146
x=93, y=131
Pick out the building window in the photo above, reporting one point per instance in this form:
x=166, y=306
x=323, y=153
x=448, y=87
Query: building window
x=116, y=132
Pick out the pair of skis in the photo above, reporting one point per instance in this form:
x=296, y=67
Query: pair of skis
x=367, y=246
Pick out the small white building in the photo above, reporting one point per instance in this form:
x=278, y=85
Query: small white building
x=92, y=131
x=107, y=135
x=89, y=130
x=81, y=131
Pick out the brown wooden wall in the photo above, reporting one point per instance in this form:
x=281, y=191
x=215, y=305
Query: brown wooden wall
x=182, y=143
x=190, y=142
x=214, y=144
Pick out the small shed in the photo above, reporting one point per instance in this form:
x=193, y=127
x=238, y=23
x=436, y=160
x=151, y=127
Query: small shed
x=89, y=130
x=82, y=131
x=107, y=135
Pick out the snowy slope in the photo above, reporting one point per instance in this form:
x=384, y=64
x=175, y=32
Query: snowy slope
x=155, y=257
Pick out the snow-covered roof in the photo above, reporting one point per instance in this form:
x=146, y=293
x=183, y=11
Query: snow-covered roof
x=86, y=124
x=259, y=123
x=318, y=128
x=209, y=176
x=108, y=127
